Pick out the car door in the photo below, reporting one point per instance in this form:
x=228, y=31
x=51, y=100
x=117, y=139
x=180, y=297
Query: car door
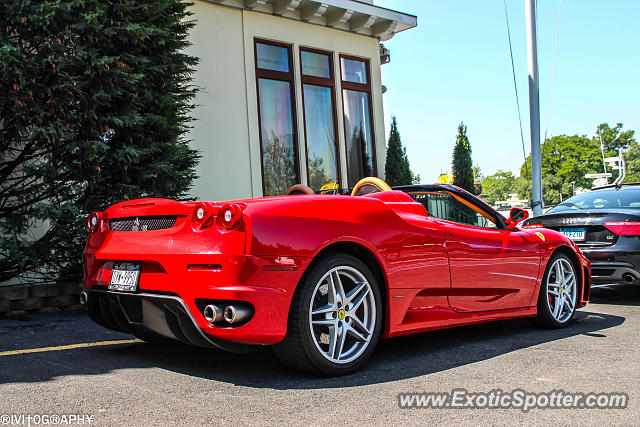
x=491, y=267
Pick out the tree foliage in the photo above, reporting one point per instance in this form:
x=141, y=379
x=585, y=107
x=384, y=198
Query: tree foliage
x=616, y=137
x=461, y=165
x=278, y=166
x=499, y=186
x=397, y=170
x=553, y=189
x=360, y=162
x=94, y=103
x=478, y=176
x=632, y=160
x=566, y=159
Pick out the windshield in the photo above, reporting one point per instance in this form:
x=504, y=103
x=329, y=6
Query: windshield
x=607, y=199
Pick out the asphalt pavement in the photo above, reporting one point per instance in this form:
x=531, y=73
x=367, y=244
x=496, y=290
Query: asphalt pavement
x=136, y=383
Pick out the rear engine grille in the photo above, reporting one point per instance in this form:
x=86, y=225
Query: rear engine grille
x=143, y=223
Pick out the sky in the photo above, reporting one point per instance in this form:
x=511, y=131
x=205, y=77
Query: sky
x=455, y=67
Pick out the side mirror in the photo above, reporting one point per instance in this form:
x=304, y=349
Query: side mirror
x=516, y=216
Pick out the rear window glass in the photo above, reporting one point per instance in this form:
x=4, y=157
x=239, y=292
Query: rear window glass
x=607, y=199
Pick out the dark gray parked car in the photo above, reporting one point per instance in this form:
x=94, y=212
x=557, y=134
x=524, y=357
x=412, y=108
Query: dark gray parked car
x=605, y=224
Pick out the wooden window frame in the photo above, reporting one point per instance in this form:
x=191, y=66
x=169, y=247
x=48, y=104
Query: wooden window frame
x=358, y=87
x=289, y=77
x=325, y=82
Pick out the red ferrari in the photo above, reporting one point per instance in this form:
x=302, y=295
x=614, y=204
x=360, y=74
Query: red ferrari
x=323, y=277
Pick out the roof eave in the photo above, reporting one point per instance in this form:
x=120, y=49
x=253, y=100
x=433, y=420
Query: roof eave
x=347, y=15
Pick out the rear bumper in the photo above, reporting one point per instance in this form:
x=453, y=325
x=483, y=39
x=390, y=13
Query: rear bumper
x=614, y=273
x=619, y=263
x=249, y=280
x=147, y=314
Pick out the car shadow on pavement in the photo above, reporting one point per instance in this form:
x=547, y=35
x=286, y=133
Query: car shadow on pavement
x=616, y=294
x=394, y=359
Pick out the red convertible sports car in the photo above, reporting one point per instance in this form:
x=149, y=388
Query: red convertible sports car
x=323, y=277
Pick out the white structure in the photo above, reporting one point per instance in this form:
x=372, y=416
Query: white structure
x=290, y=92
x=512, y=202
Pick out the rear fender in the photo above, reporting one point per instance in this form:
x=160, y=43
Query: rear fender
x=551, y=243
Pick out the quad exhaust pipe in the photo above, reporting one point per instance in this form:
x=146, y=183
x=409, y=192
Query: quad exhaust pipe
x=212, y=313
x=230, y=314
x=236, y=314
x=83, y=297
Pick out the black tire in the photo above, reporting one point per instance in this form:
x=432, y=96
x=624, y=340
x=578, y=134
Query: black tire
x=545, y=317
x=299, y=349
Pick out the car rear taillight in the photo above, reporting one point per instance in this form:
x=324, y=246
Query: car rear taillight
x=203, y=214
x=623, y=228
x=230, y=215
x=93, y=222
x=532, y=226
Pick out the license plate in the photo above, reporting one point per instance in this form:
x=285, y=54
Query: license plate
x=125, y=276
x=575, y=234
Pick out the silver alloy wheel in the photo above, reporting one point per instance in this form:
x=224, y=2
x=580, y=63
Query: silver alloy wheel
x=561, y=290
x=342, y=314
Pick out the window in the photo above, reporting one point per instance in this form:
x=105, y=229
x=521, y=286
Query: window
x=276, y=109
x=354, y=71
x=356, y=97
x=444, y=205
x=319, y=116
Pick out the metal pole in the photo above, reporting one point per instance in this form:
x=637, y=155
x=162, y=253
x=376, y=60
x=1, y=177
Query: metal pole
x=534, y=108
x=623, y=167
x=604, y=163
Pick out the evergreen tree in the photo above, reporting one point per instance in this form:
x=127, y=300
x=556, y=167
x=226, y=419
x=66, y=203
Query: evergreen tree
x=278, y=166
x=94, y=103
x=461, y=166
x=397, y=170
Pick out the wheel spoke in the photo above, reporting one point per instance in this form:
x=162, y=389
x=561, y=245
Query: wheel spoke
x=557, y=309
x=568, y=278
x=331, y=291
x=569, y=304
x=357, y=322
x=322, y=310
x=337, y=286
x=333, y=339
x=356, y=303
x=555, y=293
x=323, y=322
x=559, y=273
x=360, y=286
x=340, y=336
x=348, y=329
